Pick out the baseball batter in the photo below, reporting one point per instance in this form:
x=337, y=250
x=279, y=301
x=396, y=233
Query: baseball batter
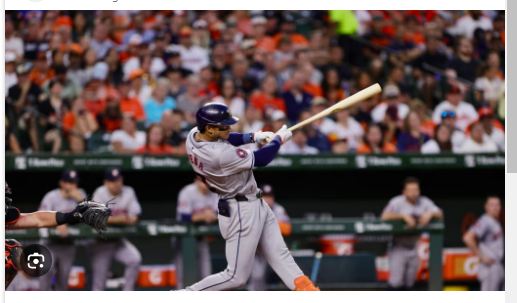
x=64, y=199
x=485, y=239
x=245, y=220
x=125, y=211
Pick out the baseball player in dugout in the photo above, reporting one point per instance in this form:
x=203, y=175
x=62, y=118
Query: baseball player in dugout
x=64, y=199
x=485, y=239
x=258, y=274
x=245, y=220
x=416, y=211
x=125, y=211
x=198, y=205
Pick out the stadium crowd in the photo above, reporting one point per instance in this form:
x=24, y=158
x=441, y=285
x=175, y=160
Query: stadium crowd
x=131, y=81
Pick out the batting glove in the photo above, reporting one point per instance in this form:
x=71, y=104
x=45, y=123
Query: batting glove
x=284, y=134
x=263, y=137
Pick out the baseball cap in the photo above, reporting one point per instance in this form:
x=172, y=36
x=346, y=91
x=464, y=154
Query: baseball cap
x=70, y=176
x=277, y=115
x=448, y=114
x=267, y=190
x=258, y=20
x=485, y=112
x=199, y=24
x=390, y=91
x=453, y=89
x=112, y=174
x=10, y=57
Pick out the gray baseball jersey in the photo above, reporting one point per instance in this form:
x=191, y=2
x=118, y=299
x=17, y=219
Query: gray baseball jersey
x=489, y=233
x=191, y=200
x=63, y=250
x=244, y=225
x=402, y=255
x=227, y=169
x=104, y=251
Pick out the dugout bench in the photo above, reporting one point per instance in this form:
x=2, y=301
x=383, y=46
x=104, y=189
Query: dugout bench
x=300, y=227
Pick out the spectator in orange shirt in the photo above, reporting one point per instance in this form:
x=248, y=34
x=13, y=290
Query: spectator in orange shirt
x=374, y=142
x=41, y=72
x=258, y=33
x=130, y=105
x=288, y=29
x=79, y=125
x=155, y=142
x=267, y=99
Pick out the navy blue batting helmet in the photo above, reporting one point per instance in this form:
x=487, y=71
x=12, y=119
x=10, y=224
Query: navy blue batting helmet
x=214, y=114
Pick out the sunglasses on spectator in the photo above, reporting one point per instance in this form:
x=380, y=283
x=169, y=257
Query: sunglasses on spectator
x=448, y=114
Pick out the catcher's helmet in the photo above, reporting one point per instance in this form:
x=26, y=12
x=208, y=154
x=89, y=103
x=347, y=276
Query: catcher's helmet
x=214, y=114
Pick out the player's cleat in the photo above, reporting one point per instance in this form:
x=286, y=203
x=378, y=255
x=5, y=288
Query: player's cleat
x=303, y=283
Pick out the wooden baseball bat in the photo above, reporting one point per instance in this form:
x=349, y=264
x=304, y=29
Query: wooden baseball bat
x=345, y=103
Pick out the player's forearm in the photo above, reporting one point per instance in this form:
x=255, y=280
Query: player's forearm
x=238, y=139
x=470, y=241
x=267, y=153
x=36, y=220
x=122, y=220
x=387, y=216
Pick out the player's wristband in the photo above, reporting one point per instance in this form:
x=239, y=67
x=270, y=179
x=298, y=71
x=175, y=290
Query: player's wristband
x=248, y=138
x=66, y=218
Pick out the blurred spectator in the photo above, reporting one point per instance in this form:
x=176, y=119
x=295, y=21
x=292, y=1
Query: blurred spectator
x=411, y=138
x=175, y=129
x=392, y=107
x=468, y=23
x=478, y=142
x=458, y=136
x=13, y=43
x=490, y=85
x=295, y=98
x=191, y=99
x=78, y=125
x=266, y=99
x=101, y=43
x=492, y=127
x=332, y=86
x=441, y=143
x=298, y=145
x=257, y=280
x=198, y=205
x=253, y=120
x=10, y=71
x=340, y=146
x=465, y=112
x=346, y=127
x=130, y=106
x=127, y=139
x=159, y=102
x=50, y=114
x=464, y=63
x=374, y=142
x=230, y=98
x=485, y=240
x=155, y=143
x=111, y=117
x=416, y=211
x=63, y=199
x=193, y=57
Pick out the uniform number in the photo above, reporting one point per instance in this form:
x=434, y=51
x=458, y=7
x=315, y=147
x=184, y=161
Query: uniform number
x=195, y=162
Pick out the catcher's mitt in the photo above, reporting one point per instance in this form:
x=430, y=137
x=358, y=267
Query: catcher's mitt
x=93, y=213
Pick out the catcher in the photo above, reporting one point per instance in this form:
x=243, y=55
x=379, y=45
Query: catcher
x=87, y=212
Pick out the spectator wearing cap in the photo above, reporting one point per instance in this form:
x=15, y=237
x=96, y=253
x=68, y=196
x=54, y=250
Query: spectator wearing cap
x=392, y=107
x=257, y=280
x=201, y=34
x=258, y=33
x=298, y=145
x=64, y=199
x=465, y=112
x=278, y=119
x=139, y=87
x=78, y=126
x=458, y=136
x=345, y=127
x=493, y=128
x=159, y=102
x=266, y=99
x=156, y=142
x=229, y=97
x=478, y=141
x=441, y=143
x=295, y=98
x=374, y=143
x=196, y=205
x=125, y=210
x=411, y=138
x=193, y=57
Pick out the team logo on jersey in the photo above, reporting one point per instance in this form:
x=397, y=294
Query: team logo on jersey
x=241, y=153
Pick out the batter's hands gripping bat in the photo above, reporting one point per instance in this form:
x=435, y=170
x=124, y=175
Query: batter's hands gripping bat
x=345, y=103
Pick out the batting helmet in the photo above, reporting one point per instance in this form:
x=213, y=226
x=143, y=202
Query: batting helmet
x=214, y=114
